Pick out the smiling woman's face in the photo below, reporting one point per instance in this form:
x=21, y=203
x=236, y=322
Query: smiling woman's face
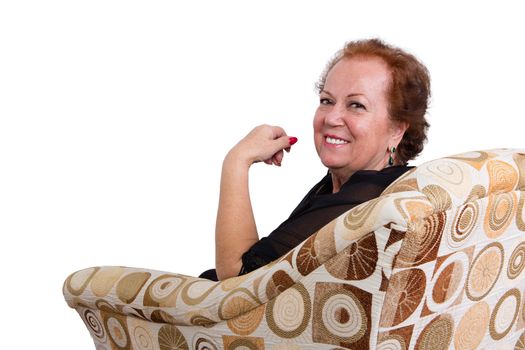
x=352, y=129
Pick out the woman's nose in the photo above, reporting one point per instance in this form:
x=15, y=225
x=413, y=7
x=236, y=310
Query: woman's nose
x=334, y=117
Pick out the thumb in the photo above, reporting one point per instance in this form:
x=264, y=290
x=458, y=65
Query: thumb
x=291, y=141
x=287, y=141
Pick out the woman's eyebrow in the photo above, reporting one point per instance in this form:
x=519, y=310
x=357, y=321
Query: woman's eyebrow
x=327, y=92
x=347, y=96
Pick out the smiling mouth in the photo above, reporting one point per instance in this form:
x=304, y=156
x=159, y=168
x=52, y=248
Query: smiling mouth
x=335, y=141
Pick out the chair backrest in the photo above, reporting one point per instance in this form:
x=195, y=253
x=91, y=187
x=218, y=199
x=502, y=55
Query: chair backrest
x=457, y=280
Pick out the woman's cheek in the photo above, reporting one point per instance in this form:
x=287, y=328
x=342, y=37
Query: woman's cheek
x=360, y=129
x=317, y=122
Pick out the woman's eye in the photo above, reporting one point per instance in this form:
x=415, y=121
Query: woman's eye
x=356, y=105
x=324, y=101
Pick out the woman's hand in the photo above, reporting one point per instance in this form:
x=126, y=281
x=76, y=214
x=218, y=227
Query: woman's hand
x=264, y=143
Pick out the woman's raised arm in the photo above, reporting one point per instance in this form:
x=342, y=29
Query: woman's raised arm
x=235, y=230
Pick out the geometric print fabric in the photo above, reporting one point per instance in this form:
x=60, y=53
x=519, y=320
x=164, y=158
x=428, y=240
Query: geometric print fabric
x=436, y=262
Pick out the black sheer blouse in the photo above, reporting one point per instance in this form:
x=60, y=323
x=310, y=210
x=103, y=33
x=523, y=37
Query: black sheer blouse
x=318, y=208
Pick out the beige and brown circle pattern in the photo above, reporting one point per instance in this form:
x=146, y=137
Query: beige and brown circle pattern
x=438, y=196
x=472, y=327
x=395, y=339
x=289, y=313
x=448, y=281
x=406, y=183
x=475, y=159
x=94, y=324
x=357, y=261
x=200, y=317
x=505, y=314
x=279, y=282
x=363, y=215
x=421, y=244
x=392, y=343
x=193, y=293
x=403, y=297
x=161, y=316
x=502, y=176
x=500, y=213
x=477, y=192
x=337, y=309
x=413, y=208
x=484, y=271
x=164, y=290
x=247, y=323
x=450, y=174
x=437, y=334
x=243, y=343
x=516, y=262
x=465, y=221
x=307, y=257
x=519, y=159
x=232, y=283
x=104, y=280
x=170, y=338
x=237, y=302
x=118, y=331
x=520, y=343
x=77, y=282
x=520, y=212
x=204, y=342
x=341, y=315
x=130, y=285
x=142, y=337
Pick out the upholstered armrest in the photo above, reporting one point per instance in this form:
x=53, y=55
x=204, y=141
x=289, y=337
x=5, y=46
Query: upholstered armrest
x=184, y=300
x=157, y=295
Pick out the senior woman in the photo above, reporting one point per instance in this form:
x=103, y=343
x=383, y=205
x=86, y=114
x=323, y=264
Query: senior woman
x=370, y=121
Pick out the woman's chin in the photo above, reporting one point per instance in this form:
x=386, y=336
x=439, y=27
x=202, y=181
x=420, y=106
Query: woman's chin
x=333, y=165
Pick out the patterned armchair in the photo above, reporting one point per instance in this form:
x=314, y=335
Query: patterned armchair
x=436, y=262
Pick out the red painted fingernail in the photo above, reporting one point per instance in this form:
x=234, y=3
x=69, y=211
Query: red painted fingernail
x=292, y=140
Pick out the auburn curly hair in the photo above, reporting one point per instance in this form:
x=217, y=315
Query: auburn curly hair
x=408, y=93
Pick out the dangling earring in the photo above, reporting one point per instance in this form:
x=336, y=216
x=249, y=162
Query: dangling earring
x=391, y=158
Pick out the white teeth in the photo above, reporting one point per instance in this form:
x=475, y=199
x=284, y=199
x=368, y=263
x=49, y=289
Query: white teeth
x=333, y=141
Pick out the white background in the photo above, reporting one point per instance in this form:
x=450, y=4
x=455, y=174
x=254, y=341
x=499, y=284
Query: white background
x=116, y=115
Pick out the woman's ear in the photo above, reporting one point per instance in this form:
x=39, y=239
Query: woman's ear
x=398, y=130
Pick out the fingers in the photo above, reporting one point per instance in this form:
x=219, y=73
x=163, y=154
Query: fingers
x=274, y=160
x=277, y=157
x=264, y=143
x=284, y=143
x=288, y=142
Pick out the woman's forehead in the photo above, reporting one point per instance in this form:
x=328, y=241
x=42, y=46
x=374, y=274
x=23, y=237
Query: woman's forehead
x=359, y=74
